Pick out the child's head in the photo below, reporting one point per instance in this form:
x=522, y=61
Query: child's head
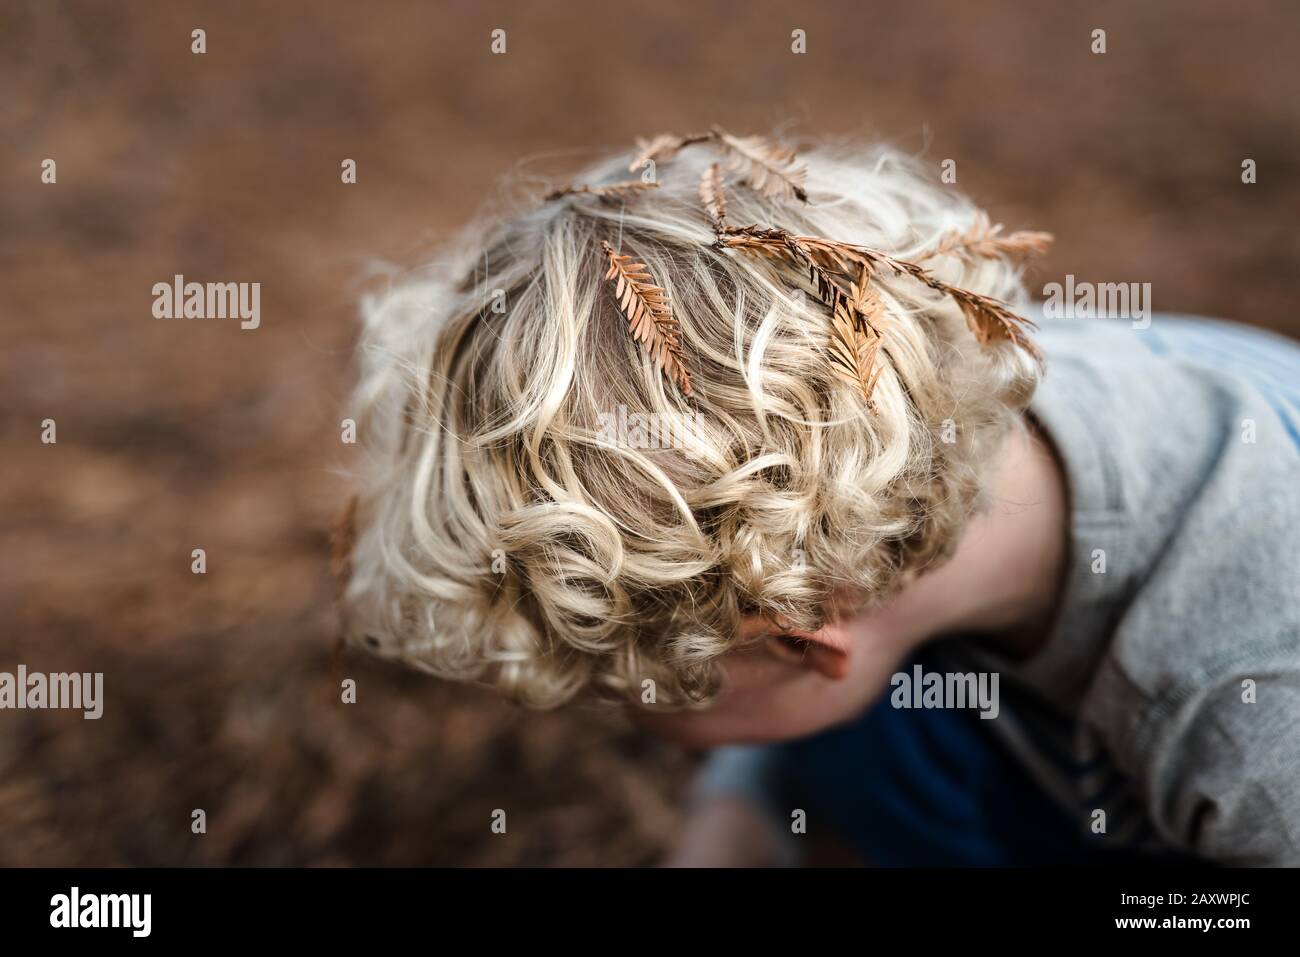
x=553, y=507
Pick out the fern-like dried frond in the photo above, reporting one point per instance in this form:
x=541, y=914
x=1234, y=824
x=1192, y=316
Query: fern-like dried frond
x=992, y=320
x=611, y=191
x=857, y=313
x=662, y=147
x=780, y=244
x=649, y=315
x=852, y=356
x=984, y=240
x=857, y=332
x=812, y=254
x=824, y=281
x=757, y=239
x=989, y=319
x=714, y=195
x=864, y=298
x=773, y=171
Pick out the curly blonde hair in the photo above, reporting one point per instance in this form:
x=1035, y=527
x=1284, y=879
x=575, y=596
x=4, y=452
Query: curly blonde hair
x=506, y=535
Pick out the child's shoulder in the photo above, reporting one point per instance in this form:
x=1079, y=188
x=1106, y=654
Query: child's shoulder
x=1173, y=407
x=1181, y=449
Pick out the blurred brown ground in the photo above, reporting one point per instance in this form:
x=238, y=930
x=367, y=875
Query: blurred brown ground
x=220, y=693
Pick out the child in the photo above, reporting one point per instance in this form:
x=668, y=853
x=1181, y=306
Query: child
x=755, y=445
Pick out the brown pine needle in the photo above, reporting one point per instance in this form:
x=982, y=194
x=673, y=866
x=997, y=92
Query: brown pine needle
x=857, y=315
x=857, y=336
x=989, y=319
x=869, y=308
x=853, y=355
x=828, y=289
x=663, y=147
x=769, y=169
x=714, y=195
x=985, y=241
x=612, y=191
x=772, y=171
x=649, y=315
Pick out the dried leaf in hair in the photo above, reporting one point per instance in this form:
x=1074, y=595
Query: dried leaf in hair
x=611, y=191
x=772, y=171
x=805, y=251
x=989, y=319
x=663, y=147
x=828, y=289
x=649, y=315
x=714, y=195
x=853, y=352
x=858, y=328
x=774, y=243
x=864, y=299
x=857, y=315
x=986, y=241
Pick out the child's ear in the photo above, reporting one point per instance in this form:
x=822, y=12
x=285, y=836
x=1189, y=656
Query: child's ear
x=830, y=658
x=820, y=651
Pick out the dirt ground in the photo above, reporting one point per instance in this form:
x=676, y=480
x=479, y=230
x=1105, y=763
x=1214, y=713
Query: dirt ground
x=221, y=692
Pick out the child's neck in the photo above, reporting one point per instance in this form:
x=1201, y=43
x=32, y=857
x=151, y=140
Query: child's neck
x=1006, y=576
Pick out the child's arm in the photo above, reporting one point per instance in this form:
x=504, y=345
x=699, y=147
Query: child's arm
x=1221, y=762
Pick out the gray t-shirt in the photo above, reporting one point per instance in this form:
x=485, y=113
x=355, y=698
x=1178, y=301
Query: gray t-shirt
x=1168, y=693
